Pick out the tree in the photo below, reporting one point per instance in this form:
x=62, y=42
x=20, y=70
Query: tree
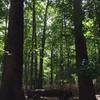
x=51, y=71
x=42, y=47
x=11, y=86
x=34, y=47
x=97, y=13
x=86, y=89
x=35, y=44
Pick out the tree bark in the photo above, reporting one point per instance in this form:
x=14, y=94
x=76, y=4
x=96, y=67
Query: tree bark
x=11, y=86
x=35, y=43
x=51, y=72
x=86, y=89
x=97, y=14
x=34, y=47
x=42, y=48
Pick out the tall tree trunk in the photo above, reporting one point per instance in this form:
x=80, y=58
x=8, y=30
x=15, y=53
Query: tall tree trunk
x=31, y=69
x=42, y=48
x=34, y=47
x=97, y=14
x=35, y=42
x=86, y=89
x=26, y=76
x=61, y=71
x=61, y=51
x=51, y=76
x=11, y=86
x=5, y=37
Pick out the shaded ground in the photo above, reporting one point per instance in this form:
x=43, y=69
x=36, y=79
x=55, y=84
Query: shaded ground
x=55, y=98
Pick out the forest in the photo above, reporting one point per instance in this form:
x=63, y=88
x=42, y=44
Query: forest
x=49, y=49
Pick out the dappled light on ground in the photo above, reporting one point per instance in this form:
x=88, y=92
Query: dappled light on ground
x=98, y=97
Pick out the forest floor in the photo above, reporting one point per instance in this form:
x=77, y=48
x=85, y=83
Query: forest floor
x=47, y=98
x=55, y=98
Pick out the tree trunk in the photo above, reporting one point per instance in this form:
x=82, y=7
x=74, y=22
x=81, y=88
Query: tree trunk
x=42, y=48
x=61, y=71
x=34, y=47
x=51, y=76
x=35, y=42
x=26, y=76
x=11, y=86
x=97, y=14
x=61, y=53
x=86, y=89
x=5, y=37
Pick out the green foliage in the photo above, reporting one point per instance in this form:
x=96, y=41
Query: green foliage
x=59, y=31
